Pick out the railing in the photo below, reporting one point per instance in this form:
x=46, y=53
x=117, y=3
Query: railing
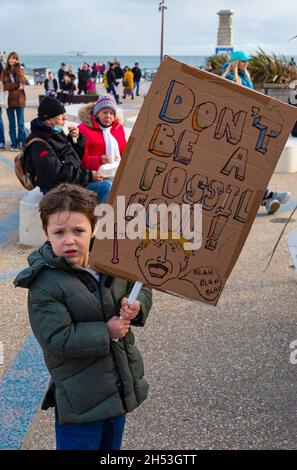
x=149, y=73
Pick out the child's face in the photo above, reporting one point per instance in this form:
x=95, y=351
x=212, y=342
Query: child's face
x=70, y=234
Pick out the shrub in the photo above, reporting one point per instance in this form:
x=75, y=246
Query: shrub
x=264, y=68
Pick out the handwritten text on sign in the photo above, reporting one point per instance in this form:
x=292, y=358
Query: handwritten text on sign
x=198, y=139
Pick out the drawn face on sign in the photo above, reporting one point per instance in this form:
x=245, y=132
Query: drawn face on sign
x=161, y=260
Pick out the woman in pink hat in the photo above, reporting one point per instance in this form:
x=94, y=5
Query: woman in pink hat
x=104, y=135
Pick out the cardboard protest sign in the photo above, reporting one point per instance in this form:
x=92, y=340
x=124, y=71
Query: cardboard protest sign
x=198, y=139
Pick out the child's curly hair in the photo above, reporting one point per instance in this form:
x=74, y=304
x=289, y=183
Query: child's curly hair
x=68, y=197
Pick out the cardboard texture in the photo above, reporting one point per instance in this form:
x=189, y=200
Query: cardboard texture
x=198, y=139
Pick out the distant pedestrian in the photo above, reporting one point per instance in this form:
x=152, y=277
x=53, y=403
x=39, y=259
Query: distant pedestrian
x=95, y=69
x=67, y=90
x=2, y=134
x=51, y=85
x=137, y=77
x=91, y=86
x=101, y=72
x=83, y=77
x=13, y=77
x=105, y=82
x=71, y=74
x=128, y=83
x=119, y=73
x=112, y=82
x=61, y=73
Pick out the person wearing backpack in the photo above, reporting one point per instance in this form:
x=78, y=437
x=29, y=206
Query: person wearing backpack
x=56, y=158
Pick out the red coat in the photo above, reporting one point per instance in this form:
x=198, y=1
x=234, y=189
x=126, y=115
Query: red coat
x=95, y=144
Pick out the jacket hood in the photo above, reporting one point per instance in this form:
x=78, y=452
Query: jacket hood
x=85, y=115
x=39, y=128
x=38, y=260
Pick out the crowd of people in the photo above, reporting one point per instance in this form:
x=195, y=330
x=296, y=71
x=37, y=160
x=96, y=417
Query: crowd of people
x=88, y=75
x=12, y=81
x=90, y=152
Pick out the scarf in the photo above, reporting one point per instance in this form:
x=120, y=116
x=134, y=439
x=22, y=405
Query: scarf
x=111, y=144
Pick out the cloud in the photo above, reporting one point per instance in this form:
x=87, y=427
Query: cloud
x=133, y=26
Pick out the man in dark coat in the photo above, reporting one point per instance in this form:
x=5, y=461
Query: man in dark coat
x=57, y=158
x=61, y=74
x=137, y=76
x=83, y=77
x=112, y=82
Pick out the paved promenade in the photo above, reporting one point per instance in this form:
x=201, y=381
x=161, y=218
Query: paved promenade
x=220, y=377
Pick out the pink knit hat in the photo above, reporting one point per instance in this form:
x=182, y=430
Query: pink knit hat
x=104, y=101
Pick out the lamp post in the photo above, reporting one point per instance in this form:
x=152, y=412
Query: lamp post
x=162, y=7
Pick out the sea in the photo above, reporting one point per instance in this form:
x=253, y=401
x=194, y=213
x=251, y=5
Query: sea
x=53, y=62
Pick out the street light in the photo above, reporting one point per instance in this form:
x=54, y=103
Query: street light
x=162, y=7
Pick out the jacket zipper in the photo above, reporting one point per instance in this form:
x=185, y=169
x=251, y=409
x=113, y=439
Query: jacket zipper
x=119, y=383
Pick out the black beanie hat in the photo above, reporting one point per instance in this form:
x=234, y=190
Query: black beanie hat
x=50, y=108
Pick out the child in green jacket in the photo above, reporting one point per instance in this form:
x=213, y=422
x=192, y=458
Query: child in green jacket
x=74, y=314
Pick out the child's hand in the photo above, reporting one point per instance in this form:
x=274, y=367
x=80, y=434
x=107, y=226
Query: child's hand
x=118, y=327
x=129, y=312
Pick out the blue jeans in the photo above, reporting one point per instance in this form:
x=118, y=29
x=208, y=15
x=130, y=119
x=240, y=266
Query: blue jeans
x=99, y=435
x=2, y=136
x=101, y=188
x=136, y=85
x=111, y=89
x=21, y=137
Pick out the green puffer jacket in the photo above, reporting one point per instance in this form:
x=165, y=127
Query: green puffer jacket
x=93, y=377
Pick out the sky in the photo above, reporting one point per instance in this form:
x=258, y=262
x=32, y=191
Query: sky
x=132, y=27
